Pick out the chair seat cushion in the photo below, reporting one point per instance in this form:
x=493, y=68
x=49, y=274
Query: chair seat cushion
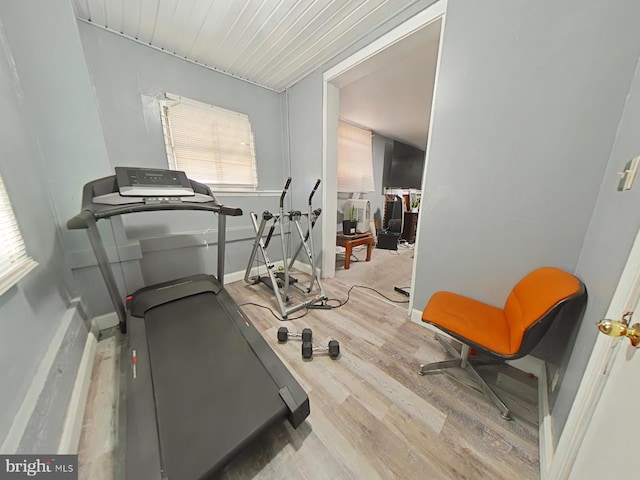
x=465, y=317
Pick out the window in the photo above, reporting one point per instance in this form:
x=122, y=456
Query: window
x=14, y=262
x=355, y=159
x=212, y=145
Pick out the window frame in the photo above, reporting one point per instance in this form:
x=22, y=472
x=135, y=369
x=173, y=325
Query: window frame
x=15, y=263
x=171, y=100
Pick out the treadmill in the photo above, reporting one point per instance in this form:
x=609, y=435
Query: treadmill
x=201, y=381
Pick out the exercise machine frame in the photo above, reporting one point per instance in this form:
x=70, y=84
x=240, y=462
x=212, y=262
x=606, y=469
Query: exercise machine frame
x=179, y=334
x=280, y=281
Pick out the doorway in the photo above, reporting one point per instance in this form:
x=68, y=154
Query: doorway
x=387, y=88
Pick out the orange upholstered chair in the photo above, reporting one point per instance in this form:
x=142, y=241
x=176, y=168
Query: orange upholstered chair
x=545, y=295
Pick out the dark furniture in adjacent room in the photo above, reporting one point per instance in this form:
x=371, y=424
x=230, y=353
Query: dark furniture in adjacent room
x=388, y=240
x=410, y=226
x=393, y=213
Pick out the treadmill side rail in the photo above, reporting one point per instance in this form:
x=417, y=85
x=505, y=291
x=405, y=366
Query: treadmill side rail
x=143, y=449
x=296, y=399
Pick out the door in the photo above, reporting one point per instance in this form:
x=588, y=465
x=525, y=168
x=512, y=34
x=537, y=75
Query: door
x=607, y=450
x=604, y=424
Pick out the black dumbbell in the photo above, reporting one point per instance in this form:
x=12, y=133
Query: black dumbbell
x=284, y=334
x=333, y=349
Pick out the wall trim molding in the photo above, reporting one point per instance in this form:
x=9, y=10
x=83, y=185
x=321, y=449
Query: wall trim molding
x=135, y=249
x=545, y=424
x=72, y=428
x=239, y=275
x=102, y=322
x=21, y=420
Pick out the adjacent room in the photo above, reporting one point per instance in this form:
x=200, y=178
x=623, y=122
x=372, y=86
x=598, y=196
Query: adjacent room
x=318, y=239
x=384, y=114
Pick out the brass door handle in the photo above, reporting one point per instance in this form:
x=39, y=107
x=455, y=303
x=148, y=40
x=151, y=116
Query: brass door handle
x=615, y=328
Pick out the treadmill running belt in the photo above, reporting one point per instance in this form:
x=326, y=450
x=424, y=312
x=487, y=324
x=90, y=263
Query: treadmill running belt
x=212, y=393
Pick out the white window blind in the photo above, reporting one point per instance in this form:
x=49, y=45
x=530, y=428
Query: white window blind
x=14, y=262
x=211, y=144
x=355, y=159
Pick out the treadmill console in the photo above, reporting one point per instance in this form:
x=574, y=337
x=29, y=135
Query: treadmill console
x=151, y=182
x=151, y=186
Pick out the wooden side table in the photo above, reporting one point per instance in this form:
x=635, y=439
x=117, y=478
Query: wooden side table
x=350, y=241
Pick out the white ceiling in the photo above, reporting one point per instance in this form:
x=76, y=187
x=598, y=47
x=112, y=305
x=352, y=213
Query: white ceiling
x=391, y=92
x=273, y=43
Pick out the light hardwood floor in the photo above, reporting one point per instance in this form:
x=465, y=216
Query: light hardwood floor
x=372, y=416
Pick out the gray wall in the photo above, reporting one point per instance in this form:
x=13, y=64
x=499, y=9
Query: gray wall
x=58, y=92
x=130, y=79
x=304, y=119
x=60, y=97
x=32, y=311
x=520, y=142
x=529, y=98
x=607, y=244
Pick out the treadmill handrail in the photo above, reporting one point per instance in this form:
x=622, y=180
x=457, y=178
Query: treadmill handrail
x=91, y=212
x=106, y=185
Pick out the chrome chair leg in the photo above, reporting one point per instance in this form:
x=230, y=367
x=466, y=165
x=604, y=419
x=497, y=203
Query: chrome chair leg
x=461, y=360
x=438, y=366
x=504, y=410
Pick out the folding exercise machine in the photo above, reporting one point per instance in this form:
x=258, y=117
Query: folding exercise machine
x=195, y=364
x=279, y=281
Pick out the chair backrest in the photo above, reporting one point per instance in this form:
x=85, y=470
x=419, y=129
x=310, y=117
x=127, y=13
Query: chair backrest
x=535, y=302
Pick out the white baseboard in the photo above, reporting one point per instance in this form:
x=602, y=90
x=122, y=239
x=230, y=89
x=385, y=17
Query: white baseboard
x=416, y=317
x=102, y=322
x=529, y=364
x=545, y=432
x=235, y=276
x=538, y=367
x=304, y=267
x=72, y=428
x=22, y=417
